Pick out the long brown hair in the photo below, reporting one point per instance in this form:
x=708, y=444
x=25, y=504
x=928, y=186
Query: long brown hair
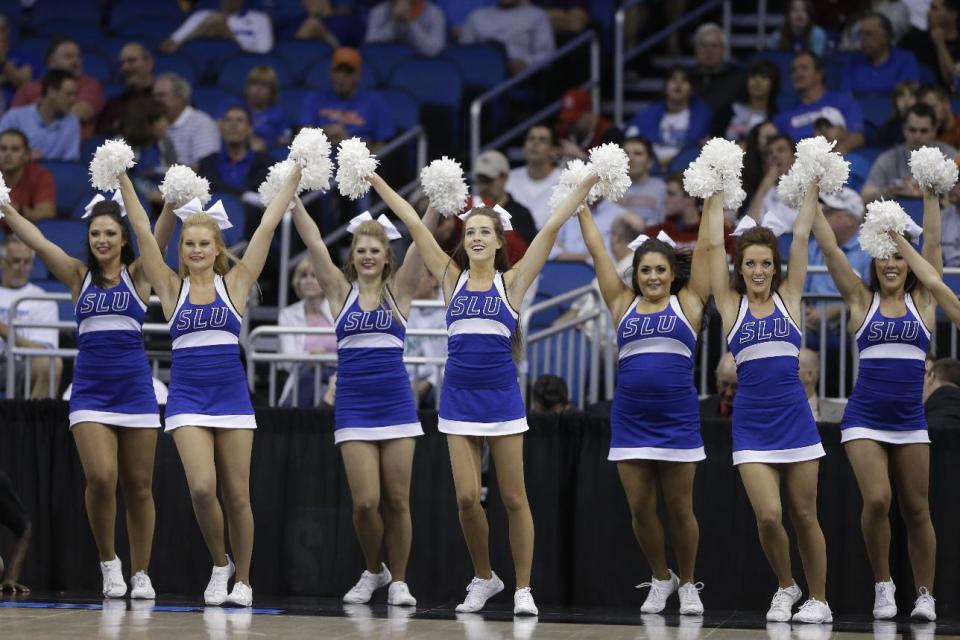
x=109, y=209
x=221, y=264
x=756, y=236
x=376, y=231
x=501, y=262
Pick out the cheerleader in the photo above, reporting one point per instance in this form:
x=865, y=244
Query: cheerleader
x=114, y=416
x=775, y=438
x=655, y=417
x=883, y=429
x=927, y=275
x=208, y=407
x=480, y=396
x=375, y=431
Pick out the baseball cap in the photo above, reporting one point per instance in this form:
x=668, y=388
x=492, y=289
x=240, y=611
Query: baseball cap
x=845, y=200
x=348, y=57
x=575, y=103
x=491, y=164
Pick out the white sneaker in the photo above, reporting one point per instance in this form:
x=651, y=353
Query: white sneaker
x=523, y=604
x=781, y=606
x=660, y=590
x=479, y=591
x=113, y=584
x=141, y=588
x=925, y=608
x=216, y=591
x=884, y=604
x=690, y=604
x=399, y=595
x=814, y=612
x=242, y=595
x=367, y=584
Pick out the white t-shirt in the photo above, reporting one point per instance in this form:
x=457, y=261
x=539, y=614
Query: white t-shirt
x=776, y=214
x=673, y=131
x=533, y=194
x=33, y=310
x=252, y=29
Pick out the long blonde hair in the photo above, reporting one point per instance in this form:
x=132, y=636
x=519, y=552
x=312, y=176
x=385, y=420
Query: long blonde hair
x=373, y=229
x=222, y=263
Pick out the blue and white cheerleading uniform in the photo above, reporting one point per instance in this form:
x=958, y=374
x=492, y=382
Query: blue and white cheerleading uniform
x=208, y=386
x=656, y=412
x=481, y=393
x=374, y=396
x=887, y=400
x=772, y=420
x=112, y=381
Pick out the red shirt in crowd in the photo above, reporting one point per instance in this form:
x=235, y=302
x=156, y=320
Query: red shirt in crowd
x=35, y=186
x=685, y=236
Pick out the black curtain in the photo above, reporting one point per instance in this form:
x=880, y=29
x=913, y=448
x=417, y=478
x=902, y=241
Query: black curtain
x=585, y=551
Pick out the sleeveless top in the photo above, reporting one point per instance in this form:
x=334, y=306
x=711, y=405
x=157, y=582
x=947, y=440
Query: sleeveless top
x=110, y=318
x=369, y=340
x=200, y=330
x=665, y=338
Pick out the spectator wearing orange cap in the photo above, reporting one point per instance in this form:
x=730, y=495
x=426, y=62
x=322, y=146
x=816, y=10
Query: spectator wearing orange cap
x=580, y=128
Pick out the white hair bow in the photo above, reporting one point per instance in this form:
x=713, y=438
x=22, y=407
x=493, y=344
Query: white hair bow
x=769, y=221
x=503, y=213
x=88, y=210
x=216, y=211
x=662, y=237
x=384, y=221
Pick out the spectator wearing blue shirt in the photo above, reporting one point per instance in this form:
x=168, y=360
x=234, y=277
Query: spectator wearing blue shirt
x=51, y=127
x=271, y=121
x=344, y=110
x=676, y=123
x=844, y=212
x=237, y=168
x=879, y=66
x=816, y=102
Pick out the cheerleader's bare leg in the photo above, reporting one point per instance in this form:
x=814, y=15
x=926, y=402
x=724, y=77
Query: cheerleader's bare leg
x=137, y=452
x=676, y=478
x=396, y=468
x=507, y=452
x=233, y=450
x=801, y=481
x=97, y=446
x=762, y=482
x=639, y=480
x=361, y=460
x=465, y=461
x=196, y=448
x=911, y=473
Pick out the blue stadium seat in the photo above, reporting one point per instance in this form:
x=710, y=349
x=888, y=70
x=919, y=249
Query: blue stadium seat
x=149, y=31
x=403, y=106
x=94, y=64
x=36, y=47
x=877, y=108
x=237, y=213
x=481, y=66
x=82, y=11
x=69, y=235
x=173, y=248
x=65, y=307
x=683, y=159
x=87, y=147
x=110, y=48
x=72, y=182
x=835, y=67
x=209, y=54
x=783, y=244
x=385, y=57
x=87, y=35
x=13, y=11
x=302, y=55
x=131, y=10
x=209, y=99
x=432, y=81
x=559, y=277
x=232, y=76
x=175, y=63
x=113, y=89
x=318, y=76
x=913, y=207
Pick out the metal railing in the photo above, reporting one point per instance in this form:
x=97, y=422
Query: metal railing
x=621, y=57
x=588, y=38
x=288, y=263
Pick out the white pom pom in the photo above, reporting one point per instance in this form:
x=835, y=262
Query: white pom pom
x=181, y=185
x=4, y=194
x=575, y=172
x=932, y=169
x=110, y=159
x=311, y=150
x=354, y=166
x=612, y=166
x=276, y=176
x=442, y=182
x=716, y=170
x=882, y=216
x=815, y=159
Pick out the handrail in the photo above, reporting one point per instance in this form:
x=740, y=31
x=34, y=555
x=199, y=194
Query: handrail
x=476, y=107
x=288, y=263
x=621, y=57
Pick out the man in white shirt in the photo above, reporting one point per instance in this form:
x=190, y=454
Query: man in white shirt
x=17, y=267
x=194, y=133
x=251, y=30
x=523, y=29
x=766, y=207
x=532, y=184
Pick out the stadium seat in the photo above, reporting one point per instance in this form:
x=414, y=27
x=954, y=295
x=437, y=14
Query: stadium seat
x=403, y=106
x=432, y=81
x=913, y=207
x=783, y=244
x=72, y=182
x=209, y=99
x=232, y=76
x=237, y=213
x=301, y=56
x=384, y=57
x=209, y=54
x=860, y=162
x=69, y=235
x=87, y=35
x=173, y=252
x=481, y=66
x=86, y=12
x=149, y=31
x=88, y=146
x=559, y=277
x=112, y=90
x=877, y=108
x=94, y=64
x=64, y=307
x=130, y=10
x=683, y=159
x=175, y=63
x=836, y=67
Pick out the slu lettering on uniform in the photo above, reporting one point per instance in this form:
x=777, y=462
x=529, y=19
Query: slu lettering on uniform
x=202, y=318
x=889, y=331
x=644, y=326
x=378, y=319
x=116, y=302
x=759, y=330
x=475, y=306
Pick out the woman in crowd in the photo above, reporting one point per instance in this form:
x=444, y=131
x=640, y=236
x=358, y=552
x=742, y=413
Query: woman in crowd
x=883, y=429
x=775, y=439
x=375, y=431
x=655, y=416
x=762, y=86
x=481, y=393
x=208, y=408
x=114, y=416
x=799, y=33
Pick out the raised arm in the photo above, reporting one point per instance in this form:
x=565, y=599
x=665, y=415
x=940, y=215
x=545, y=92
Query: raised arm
x=243, y=275
x=65, y=268
x=408, y=275
x=699, y=282
x=330, y=277
x=164, y=227
x=849, y=284
x=930, y=278
x=433, y=256
x=161, y=277
x=611, y=286
x=529, y=267
x=792, y=288
x=727, y=300
x=932, y=251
